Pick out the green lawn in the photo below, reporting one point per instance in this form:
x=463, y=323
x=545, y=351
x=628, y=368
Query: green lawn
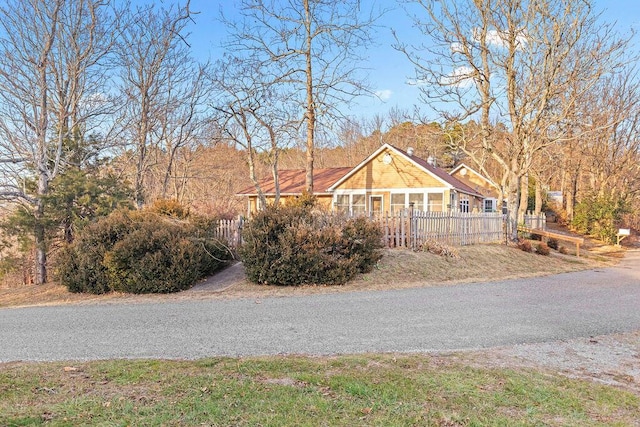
x=384, y=390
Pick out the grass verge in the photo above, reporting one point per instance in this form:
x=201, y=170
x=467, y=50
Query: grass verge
x=278, y=391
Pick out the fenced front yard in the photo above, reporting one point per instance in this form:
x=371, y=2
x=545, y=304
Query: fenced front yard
x=411, y=229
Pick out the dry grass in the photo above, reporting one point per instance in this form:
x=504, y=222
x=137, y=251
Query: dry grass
x=397, y=269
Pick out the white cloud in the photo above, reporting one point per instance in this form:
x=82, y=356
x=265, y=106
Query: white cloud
x=457, y=47
x=461, y=77
x=499, y=39
x=384, y=94
x=494, y=38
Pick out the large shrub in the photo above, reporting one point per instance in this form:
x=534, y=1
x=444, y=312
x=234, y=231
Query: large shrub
x=599, y=216
x=139, y=252
x=295, y=245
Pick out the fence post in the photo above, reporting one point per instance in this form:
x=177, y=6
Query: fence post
x=412, y=228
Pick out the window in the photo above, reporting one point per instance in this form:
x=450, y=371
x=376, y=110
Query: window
x=464, y=203
x=358, y=204
x=418, y=201
x=397, y=203
x=342, y=203
x=434, y=202
x=375, y=205
x=489, y=205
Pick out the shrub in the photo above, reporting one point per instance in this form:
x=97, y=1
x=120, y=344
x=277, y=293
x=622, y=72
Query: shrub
x=293, y=245
x=139, y=252
x=553, y=243
x=599, y=215
x=437, y=248
x=525, y=245
x=563, y=250
x=169, y=207
x=542, y=249
x=305, y=201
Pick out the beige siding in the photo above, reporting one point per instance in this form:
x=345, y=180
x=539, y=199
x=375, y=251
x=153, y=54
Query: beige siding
x=476, y=182
x=400, y=173
x=324, y=201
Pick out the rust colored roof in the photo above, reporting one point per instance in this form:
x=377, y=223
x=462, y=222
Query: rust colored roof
x=293, y=181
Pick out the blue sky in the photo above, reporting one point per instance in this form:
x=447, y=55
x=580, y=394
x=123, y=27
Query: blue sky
x=388, y=70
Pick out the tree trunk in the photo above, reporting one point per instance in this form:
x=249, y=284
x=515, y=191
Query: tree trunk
x=539, y=198
x=39, y=231
x=524, y=198
x=311, y=109
x=513, y=204
x=276, y=179
x=140, y=162
x=571, y=195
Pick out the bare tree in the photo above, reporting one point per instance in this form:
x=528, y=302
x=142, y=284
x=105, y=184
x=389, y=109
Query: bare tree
x=252, y=114
x=312, y=49
x=162, y=88
x=511, y=63
x=51, y=81
x=183, y=118
x=613, y=148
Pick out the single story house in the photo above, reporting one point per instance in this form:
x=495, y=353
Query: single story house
x=389, y=180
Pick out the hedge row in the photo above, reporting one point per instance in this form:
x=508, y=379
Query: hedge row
x=140, y=252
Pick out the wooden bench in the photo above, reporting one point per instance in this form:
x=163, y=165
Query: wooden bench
x=550, y=235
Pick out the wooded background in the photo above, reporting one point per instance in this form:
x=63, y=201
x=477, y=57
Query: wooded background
x=104, y=105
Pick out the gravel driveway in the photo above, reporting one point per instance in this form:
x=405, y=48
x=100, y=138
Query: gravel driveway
x=462, y=317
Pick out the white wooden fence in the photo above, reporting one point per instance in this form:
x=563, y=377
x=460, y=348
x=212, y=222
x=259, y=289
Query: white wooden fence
x=230, y=231
x=534, y=221
x=410, y=229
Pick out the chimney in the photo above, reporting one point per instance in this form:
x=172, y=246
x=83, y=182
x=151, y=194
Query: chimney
x=432, y=161
x=410, y=151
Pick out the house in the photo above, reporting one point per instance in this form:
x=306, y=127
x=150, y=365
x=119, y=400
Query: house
x=481, y=184
x=389, y=180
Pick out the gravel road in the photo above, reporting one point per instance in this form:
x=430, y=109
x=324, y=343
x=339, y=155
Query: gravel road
x=471, y=316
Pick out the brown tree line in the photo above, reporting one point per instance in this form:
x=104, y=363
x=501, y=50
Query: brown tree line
x=535, y=94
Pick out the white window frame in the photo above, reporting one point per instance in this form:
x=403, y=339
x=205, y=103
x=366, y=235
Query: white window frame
x=376, y=196
x=352, y=206
x=429, y=205
x=492, y=205
x=362, y=209
x=344, y=208
x=397, y=206
x=465, y=203
x=416, y=207
x=405, y=193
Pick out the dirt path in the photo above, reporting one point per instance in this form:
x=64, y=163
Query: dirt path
x=221, y=281
x=607, y=359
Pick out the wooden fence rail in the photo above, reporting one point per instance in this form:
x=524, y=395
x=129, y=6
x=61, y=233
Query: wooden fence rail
x=411, y=229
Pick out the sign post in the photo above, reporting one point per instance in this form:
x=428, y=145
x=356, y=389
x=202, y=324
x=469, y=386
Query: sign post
x=622, y=233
